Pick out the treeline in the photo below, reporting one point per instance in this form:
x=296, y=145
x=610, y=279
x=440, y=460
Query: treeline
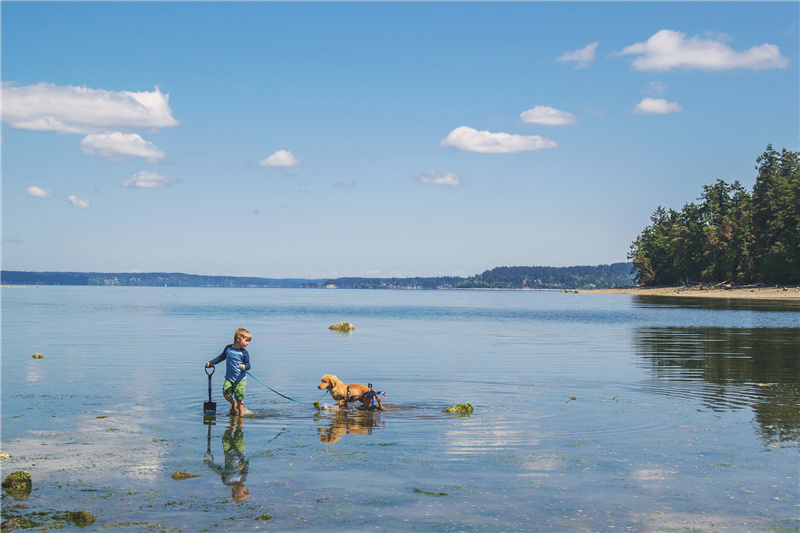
x=574, y=277
x=153, y=279
x=731, y=235
x=442, y=282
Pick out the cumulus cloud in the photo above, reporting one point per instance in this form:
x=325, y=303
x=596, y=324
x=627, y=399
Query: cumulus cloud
x=281, y=158
x=119, y=146
x=472, y=140
x=38, y=192
x=78, y=202
x=582, y=58
x=547, y=116
x=437, y=178
x=68, y=109
x=147, y=180
x=668, y=49
x=656, y=106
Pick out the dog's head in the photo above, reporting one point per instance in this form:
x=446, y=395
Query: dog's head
x=328, y=381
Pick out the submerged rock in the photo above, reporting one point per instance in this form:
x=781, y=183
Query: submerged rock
x=80, y=518
x=37, y=356
x=345, y=327
x=18, y=484
x=461, y=409
x=179, y=476
x=10, y=525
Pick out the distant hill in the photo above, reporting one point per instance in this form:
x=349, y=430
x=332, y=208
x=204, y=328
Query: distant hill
x=576, y=277
x=151, y=279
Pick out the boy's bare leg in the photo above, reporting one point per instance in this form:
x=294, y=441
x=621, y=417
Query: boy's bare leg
x=232, y=402
x=240, y=407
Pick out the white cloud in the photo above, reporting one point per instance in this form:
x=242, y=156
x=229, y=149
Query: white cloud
x=582, y=57
x=68, y=109
x=437, y=178
x=78, y=202
x=656, y=106
x=147, y=180
x=281, y=158
x=118, y=146
x=472, y=140
x=668, y=49
x=38, y=192
x=547, y=116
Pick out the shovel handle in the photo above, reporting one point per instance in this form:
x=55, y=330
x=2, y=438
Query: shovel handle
x=209, y=374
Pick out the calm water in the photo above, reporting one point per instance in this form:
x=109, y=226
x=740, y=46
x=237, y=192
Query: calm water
x=592, y=412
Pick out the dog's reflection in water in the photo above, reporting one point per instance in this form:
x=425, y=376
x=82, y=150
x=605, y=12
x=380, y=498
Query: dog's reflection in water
x=349, y=423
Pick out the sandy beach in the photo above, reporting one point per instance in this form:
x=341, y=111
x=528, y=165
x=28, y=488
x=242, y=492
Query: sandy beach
x=709, y=291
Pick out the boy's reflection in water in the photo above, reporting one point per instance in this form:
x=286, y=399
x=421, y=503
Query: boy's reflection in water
x=234, y=473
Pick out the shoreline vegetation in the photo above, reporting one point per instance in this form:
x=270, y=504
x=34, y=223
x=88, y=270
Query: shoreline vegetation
x=731, y=235
x=536, y=277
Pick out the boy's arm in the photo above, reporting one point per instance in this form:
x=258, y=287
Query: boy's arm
x=219, y=358
x=246, y=360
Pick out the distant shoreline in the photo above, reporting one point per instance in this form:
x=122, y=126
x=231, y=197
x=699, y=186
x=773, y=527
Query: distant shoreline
x=744, y=292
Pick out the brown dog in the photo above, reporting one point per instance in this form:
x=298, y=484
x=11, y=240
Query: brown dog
x=344, y=393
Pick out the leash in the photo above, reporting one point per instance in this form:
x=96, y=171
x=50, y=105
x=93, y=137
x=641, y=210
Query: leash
x=273, y=390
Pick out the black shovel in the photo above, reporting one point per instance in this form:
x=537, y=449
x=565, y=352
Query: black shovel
x=209, y=407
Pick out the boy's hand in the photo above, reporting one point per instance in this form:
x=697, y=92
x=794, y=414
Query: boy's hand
x=241, y=366
x=208, y=365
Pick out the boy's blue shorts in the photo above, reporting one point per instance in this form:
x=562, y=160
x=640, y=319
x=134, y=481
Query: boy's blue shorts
x=234, y=388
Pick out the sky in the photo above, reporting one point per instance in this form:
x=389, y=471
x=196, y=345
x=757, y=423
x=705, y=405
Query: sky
x=375, y=139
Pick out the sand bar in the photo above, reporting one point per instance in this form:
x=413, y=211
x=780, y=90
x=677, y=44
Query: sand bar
x=709, y=291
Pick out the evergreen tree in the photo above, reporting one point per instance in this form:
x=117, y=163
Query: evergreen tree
x=776, y=217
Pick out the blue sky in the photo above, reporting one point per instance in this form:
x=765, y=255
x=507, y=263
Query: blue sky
x=376, y=139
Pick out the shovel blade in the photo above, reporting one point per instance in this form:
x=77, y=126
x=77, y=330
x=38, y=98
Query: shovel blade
x=210, y=408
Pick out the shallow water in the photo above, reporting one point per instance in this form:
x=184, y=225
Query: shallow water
x=592, y=412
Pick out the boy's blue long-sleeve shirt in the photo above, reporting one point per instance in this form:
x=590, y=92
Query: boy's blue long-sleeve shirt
x=233, y=358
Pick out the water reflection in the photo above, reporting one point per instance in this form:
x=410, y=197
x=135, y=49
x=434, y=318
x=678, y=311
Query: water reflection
x=233, y=471
x=349, y=423
x=717, y=304
x=728, y=369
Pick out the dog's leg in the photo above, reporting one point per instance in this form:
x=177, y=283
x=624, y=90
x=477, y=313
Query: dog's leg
x=380, y=405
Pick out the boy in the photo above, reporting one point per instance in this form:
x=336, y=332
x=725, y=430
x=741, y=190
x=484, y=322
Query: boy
x=237, y=364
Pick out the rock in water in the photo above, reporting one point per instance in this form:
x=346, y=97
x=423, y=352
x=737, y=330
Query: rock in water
x=344, y=327
x=18, y=484
x=461, y=409
x=179, y=476
x=80, y=518
x=37, y=356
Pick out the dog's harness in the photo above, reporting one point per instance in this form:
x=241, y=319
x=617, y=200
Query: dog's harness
x=371, y=394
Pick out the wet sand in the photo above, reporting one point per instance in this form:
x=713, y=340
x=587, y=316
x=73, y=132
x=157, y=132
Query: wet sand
x=708, y=291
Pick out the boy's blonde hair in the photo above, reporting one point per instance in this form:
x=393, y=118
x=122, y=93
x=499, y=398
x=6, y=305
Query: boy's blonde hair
x=242, y=333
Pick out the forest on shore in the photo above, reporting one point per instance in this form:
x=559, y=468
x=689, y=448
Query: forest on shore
x=579, y=277
x=731, y=235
